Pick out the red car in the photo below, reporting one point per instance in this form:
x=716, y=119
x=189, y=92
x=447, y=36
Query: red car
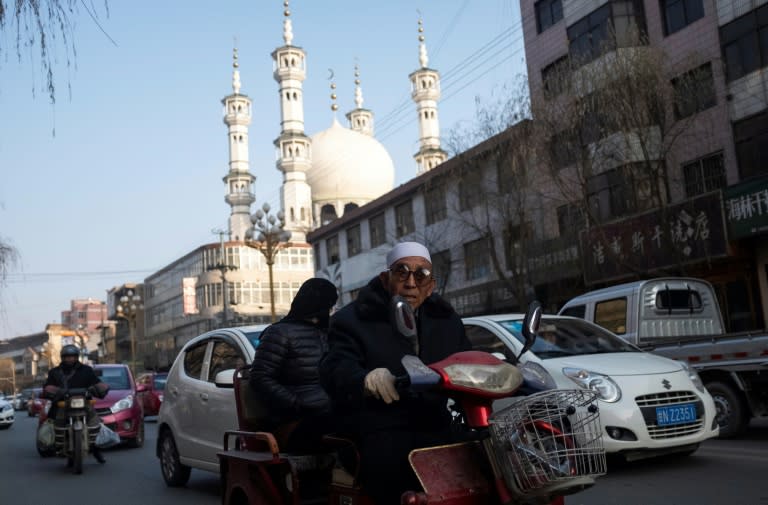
x=152, y=398
x=121, y=409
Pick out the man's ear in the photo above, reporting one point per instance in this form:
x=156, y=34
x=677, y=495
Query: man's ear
x=384, y=278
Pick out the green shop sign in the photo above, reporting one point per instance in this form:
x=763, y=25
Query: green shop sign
x=746, y=209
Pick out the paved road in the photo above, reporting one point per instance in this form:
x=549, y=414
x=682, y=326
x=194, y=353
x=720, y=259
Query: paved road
x=732, y=472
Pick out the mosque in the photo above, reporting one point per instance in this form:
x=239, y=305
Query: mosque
x=324, y=176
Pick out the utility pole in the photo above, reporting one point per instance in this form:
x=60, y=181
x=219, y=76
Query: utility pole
x=223, y=267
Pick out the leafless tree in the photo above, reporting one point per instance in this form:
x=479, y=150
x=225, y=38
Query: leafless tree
x=41, y=25
x=611, y=128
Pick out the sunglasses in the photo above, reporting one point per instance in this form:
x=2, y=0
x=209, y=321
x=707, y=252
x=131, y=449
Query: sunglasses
x=420, y=276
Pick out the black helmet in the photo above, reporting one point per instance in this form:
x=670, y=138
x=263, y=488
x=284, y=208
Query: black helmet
x=69, y=350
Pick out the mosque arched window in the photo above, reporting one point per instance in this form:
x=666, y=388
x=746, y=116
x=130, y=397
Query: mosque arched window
x=293, y=214
x=285, y=62
x=293, y=62
x=327, y=213
x=295, y=96
x=303, y=213
x=423, y=84
x=350, y=206
x=432, y=114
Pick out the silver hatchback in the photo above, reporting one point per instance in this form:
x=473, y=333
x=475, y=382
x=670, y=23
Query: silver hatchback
x=199, y=402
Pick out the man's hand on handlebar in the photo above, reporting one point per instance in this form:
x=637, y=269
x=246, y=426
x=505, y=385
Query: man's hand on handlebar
x=380, y=383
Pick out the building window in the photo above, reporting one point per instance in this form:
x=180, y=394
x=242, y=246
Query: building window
x=619, y=192
x=548, y=13
x=704, y=175
x=588, y=36
x=570, y=219
x=514, y=235
x=555, y=76
x=332, y=249
x=434, y=204
x=751, y=138
x=353, y=240
x=476, y=259
x=377, y=230
x=617, y=22
x=441, y=269
x=470, y=188
x=564, y=149
x=510, y=170
x=404, y=219
x=745, y=43
x=680, y=13
x=694, y=91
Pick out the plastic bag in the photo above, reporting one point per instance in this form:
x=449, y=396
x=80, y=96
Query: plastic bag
x=106, y=437
x=46, y=435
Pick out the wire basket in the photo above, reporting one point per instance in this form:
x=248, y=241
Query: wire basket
x=549, y=442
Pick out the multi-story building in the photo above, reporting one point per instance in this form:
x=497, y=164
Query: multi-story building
x=716, y=206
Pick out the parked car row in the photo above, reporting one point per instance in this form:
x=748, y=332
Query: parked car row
x=650, y=405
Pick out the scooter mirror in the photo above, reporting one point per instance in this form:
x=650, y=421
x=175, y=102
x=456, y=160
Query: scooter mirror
x=404, y=321
x=530, y=326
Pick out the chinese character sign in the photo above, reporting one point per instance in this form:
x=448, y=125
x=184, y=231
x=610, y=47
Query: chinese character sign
x=680, y=234
x=746, y=209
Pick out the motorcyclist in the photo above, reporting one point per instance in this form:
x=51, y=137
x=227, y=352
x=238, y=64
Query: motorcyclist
x=73, y=374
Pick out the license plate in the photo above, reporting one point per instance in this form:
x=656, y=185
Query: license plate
x=675, y=414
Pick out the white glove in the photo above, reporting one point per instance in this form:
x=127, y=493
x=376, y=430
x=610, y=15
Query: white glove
x=381, y=383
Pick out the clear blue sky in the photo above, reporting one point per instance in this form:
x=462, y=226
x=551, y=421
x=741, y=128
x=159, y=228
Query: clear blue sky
x=132, y=178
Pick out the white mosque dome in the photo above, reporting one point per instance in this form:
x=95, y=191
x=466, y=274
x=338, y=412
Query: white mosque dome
x=348, y=166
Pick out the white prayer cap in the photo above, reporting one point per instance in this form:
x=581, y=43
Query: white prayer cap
x=406, y=249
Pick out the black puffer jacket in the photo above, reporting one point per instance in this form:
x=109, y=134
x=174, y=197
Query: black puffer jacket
x=361, y=338
x=285, y=371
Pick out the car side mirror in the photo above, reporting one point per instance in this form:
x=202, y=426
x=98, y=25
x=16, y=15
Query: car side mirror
x=225, y=379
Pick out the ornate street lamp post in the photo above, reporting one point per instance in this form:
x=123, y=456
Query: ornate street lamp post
x=269, y=237
x=128, y=309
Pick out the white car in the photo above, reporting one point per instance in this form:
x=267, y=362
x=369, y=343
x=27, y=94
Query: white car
x=650, y=405
x=199, y=401
x=6, y=414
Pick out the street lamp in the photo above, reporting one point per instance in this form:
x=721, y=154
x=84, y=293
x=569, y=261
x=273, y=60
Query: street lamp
x=128, y=309
x=269, y=237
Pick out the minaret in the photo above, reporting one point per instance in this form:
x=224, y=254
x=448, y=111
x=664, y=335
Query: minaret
x=425, y=91
x=360, y=120
x=239, y=181
x=294, y=153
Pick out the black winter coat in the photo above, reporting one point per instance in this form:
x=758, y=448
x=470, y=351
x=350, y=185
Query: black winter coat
x=285, y=374
x=361, y=338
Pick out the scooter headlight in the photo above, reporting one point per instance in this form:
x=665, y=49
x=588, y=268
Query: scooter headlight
x=606, y=389
x=77, y=403
x=500, y=379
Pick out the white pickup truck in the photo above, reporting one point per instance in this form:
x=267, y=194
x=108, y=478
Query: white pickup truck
x=679, y=318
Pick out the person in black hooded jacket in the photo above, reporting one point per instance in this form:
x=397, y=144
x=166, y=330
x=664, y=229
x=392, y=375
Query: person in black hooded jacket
x=285, y=373
x=365, y=352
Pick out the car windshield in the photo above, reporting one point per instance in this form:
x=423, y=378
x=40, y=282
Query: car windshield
x=253, y=337
x=159, y=382
x=116, y=378
x=569, y=337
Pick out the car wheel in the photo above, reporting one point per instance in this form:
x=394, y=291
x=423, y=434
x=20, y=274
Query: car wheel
x=139, y=440
x=731, y=410
x=174, y=473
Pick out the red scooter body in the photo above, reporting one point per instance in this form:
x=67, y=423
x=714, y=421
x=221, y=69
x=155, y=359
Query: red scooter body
x=461, y=474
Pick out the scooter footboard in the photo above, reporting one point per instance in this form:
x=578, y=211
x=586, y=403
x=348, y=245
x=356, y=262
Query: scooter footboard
x=454, y=474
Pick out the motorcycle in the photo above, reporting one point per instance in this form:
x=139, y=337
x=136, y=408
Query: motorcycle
x=545, y=445
x=74, y=438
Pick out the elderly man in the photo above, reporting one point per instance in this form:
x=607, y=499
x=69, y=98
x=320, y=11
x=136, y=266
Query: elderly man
x=364, y=357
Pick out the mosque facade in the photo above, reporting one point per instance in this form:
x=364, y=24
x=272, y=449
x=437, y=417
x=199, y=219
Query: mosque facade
x=325, y=176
